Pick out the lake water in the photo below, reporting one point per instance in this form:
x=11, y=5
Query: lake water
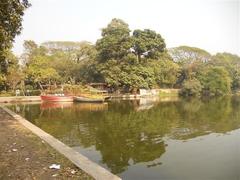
x=149, y=138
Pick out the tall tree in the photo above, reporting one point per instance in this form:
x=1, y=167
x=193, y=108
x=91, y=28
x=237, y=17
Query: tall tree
x=190, y=59
x=115, y=42
x=30, y=50
x=120, y=55
x=188, y=55
x=11, y=13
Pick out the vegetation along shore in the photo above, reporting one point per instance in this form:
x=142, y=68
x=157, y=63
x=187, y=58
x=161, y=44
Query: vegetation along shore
x=123, y=60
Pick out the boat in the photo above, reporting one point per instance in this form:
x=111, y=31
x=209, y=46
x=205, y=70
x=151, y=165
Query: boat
x=88, y=99
x=107, y=98
x=57, y=98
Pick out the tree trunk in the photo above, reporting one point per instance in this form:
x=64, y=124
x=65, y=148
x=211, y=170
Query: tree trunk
x=139, y=58
x=40, y=85
x=22, y=85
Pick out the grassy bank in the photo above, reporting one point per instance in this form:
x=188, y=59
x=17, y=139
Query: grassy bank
x=169, y=92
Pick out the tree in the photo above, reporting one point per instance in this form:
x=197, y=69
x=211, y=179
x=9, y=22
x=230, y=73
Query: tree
x=166, y=72
x=30, y=47
x=137, y=76
x=2, y=82
x=40, y=72
x=14, y=78
x=86, y=52
x=231, y=63
x=61, y=61
x=110, y=72
x=216, y=81
x=119, y=55
x=127, y=76
x=147, y=43
x=188, y=55
x=191, y=87
x=115, y=42
x=64, y=65
x=71, y=60
x=190, y=59
x=76, y=51
x=11, y=13
x=14, y=75
x=11, y=75
x=30, y=50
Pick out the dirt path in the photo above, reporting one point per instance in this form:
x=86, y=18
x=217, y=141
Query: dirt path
x=25, y=156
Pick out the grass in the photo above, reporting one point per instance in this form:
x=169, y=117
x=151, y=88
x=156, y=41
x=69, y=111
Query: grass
x=168, y=94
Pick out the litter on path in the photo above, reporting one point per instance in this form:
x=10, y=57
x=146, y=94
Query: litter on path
x=55, y=166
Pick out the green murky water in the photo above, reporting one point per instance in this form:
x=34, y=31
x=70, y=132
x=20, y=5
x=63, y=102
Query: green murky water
x=149, y=138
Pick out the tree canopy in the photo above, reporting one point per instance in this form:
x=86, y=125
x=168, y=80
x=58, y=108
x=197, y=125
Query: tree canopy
x=147, y=43
x=11, y=13
x=115, y=41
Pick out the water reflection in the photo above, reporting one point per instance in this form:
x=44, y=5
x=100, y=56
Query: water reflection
x=127, y=133
x=52, y=105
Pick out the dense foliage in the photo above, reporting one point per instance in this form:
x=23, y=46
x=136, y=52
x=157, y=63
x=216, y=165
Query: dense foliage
x=11, y=13
x=124, y=61
x=130, y=62
x=202, y=73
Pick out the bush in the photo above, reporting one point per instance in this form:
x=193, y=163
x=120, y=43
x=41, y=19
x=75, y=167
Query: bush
x=191, y=88
x=216, y=81
x=35, y=93
x=6, y=94
x=29, y=87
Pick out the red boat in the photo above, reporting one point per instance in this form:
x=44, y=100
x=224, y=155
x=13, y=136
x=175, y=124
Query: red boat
x=57, y=98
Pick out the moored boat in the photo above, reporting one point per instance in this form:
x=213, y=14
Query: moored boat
x=107, y=98
x=57, y=98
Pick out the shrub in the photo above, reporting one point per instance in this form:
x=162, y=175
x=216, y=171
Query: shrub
x=191, y=87
x=216, y=81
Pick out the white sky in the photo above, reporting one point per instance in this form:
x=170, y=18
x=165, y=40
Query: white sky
x=213, y=25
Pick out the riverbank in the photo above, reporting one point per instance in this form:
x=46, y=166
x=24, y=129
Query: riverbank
x=25, y=156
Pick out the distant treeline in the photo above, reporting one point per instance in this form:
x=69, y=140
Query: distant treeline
x=125, y=61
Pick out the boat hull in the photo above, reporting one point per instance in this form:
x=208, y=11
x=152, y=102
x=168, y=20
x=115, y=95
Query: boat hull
x=54, y=98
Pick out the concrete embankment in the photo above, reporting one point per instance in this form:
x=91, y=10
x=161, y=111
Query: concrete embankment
x=125, y=96
x=148, y=93
x=19, y=99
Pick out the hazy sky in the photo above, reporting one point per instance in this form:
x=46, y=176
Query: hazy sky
x=213, y=25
